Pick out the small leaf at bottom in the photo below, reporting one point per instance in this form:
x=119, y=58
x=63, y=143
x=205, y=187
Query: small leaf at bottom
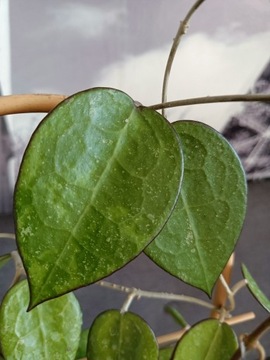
x=209, y=340
x=117, y=336
x=50, y=331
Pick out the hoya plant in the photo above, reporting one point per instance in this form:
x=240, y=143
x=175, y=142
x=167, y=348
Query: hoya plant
x=102, y=180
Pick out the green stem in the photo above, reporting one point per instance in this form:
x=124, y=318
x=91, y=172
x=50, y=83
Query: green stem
x=180, y=32
x=176, y=315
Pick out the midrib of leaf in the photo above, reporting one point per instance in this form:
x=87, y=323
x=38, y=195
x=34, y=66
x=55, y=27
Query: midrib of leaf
x=191, y=220
x=120, y=336
x=212, y=343
x=88, y=204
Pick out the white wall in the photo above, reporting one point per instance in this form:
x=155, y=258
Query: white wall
x=5, y=48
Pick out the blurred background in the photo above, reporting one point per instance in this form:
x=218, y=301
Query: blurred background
x=66, y=46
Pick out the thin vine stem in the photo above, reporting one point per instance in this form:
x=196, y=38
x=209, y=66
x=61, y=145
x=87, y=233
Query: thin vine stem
x=19, y=268
x=127, y=303
x=238, y=286
x=261, y=351
x=230, y=295
x=43, y=103
x=137, y=293
x=180, y=32
x=213, y=99
x=7, y=236
x=251, y=341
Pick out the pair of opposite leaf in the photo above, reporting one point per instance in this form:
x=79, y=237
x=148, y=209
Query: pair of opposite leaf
x=100, y=182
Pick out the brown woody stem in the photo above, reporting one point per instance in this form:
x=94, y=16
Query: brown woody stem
x=28, y=103
x=220, y=295
x=251, y=340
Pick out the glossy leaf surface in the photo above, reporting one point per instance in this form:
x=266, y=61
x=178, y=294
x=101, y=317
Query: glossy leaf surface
x=209, y=340
x=50, y=331
x=201, y=234
x=255, y=290
x=4, y=259
x=97, y=183
x=117, y=336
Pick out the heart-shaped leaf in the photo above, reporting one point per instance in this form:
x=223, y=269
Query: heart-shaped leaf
x=118, y=336
x=50, y=331
x=209, y=340
x=255, y=290
x=201, y=234
x=98, y=181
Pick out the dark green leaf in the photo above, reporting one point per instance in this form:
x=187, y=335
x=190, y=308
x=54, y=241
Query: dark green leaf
x=209, y=340
x=255, y=290
x=98, y=181
x=4, y=259
x=117, y=336
x=50, y=331
x=201, y=234
x=82, y=349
